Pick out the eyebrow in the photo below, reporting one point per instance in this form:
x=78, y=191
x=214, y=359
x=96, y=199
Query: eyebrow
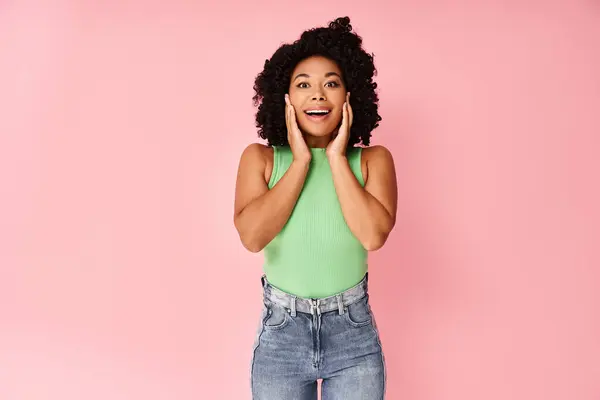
x=327, y=75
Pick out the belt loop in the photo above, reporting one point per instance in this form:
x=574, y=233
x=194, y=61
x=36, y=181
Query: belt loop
x=293, y=306
x=340, y=302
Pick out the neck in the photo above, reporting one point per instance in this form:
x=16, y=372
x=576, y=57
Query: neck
x=317, y=141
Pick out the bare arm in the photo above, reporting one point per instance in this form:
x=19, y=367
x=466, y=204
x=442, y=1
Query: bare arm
x=260, y=213
x=370, y=212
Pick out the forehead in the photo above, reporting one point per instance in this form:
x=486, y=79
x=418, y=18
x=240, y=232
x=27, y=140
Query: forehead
x=316, y=65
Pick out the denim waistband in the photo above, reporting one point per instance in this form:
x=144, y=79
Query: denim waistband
x=310, y=306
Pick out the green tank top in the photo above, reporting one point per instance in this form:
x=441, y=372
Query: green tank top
x=315, y=255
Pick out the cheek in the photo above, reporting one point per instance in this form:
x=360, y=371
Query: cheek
x=295, y=98
x=337, y=117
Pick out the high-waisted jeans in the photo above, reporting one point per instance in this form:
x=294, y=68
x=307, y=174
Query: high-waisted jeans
x=300, y=340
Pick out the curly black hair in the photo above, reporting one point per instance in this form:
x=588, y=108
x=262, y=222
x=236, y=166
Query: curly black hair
x=338, y=43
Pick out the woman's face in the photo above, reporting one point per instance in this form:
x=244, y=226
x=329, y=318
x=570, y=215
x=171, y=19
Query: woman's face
x=317, y=93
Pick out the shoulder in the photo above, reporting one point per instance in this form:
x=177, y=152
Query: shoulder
x=376, y=153
x=257, y=152
x=259, y=156
x=376, y=160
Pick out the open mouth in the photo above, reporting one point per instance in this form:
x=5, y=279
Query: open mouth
x=317, y=115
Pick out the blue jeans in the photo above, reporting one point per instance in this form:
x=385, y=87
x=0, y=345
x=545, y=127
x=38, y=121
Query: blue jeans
x=301, y=340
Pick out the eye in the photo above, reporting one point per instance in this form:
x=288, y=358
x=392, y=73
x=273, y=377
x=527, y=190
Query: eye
x=302, y=85
x=332, y=84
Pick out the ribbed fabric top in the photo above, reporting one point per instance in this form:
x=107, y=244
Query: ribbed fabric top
x=315, y=255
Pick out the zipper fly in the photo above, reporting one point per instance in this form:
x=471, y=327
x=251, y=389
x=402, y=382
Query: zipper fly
x=316, y=313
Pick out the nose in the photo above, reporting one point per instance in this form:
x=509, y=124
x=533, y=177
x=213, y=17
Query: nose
x=319, y=96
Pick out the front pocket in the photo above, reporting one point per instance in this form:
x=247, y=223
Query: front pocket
x=277, y=316
x=359, y=313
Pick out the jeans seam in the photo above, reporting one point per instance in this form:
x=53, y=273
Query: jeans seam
x=262, y=330
x=384, y=377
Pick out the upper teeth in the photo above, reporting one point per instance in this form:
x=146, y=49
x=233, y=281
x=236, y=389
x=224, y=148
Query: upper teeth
x=318, y=111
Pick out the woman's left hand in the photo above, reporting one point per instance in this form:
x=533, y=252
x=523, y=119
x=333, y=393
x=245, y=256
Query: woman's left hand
x=337, y=147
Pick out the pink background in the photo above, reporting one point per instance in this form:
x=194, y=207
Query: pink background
x=121, y=125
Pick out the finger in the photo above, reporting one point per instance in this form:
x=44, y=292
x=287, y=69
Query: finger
x=350, y=113
x=345, y=129
x=287, y=109
x=350, y=116
x=293, y=122
x=286, y=117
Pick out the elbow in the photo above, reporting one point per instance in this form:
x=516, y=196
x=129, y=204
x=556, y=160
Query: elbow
x=252, y=246
x=377, y=239
x=250, y=241
x=375, y=242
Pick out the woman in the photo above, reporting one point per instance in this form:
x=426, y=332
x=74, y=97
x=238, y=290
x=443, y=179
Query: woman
x=316, y=204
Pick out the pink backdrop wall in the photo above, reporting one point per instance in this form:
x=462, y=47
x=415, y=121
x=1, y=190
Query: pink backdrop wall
x=121, y=125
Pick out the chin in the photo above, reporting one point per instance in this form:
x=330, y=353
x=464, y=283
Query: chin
x=317, y=132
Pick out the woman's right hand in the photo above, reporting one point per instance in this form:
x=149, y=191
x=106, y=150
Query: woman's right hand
x=300, y=150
